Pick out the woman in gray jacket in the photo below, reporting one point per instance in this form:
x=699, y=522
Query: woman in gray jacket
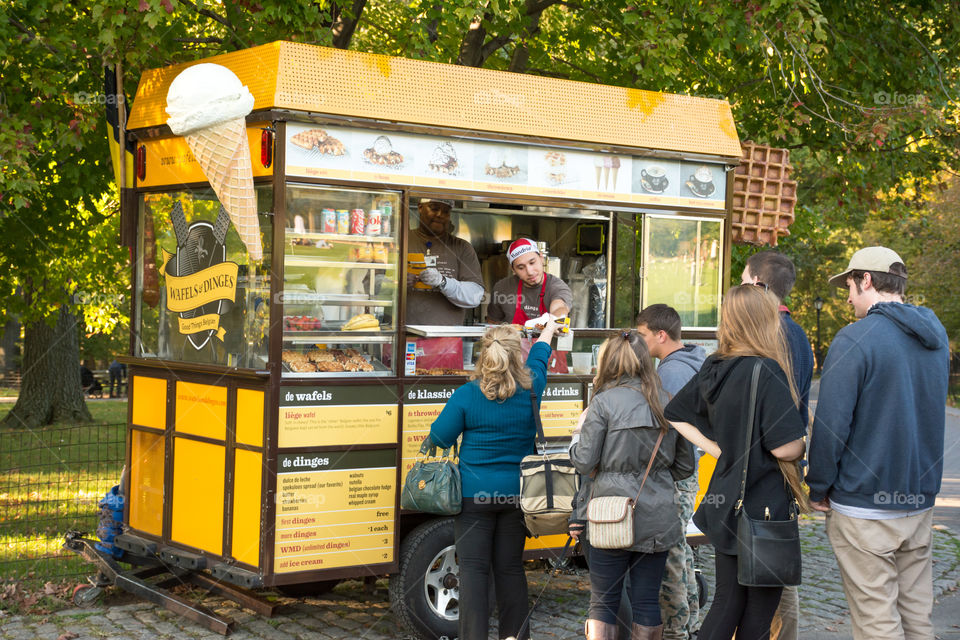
x=615, y=444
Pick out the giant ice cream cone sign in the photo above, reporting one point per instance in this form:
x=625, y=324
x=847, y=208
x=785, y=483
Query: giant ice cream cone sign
x=207, y=104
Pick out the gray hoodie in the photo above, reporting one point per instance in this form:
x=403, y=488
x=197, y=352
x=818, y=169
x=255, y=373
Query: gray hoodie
x=678, y=367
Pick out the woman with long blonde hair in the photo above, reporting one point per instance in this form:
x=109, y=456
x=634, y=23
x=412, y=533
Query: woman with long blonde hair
x=494, y=415
x=621, y=430
x=712, y=412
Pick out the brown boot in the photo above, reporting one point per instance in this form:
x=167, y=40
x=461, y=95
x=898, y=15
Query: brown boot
x=598, y=630
x=641, y=632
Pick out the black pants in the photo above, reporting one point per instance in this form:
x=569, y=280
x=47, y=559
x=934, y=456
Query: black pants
x=746, y=611
x=491, y=535
x=116, y=378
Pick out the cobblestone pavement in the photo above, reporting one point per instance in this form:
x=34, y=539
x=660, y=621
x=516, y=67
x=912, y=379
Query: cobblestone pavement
x=351, y=612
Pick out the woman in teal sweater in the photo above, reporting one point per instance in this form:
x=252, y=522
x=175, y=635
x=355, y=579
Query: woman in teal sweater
x=494, y=415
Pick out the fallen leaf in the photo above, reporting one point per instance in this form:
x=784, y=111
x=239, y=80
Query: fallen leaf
x=69, y=635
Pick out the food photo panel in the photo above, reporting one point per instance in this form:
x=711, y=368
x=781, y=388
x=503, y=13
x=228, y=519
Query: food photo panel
x=703, y=180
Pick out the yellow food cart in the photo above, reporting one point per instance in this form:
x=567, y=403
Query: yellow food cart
x=277, y=402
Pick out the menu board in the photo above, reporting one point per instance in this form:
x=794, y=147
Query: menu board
x=389, y=157
x=421, y=406
x=560, y=408
x=335, y=509
x=335, y=416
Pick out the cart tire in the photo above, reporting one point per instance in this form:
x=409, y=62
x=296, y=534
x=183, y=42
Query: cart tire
x=425, y=593
x=85, y=594
x=703, y=591
x=307, y=589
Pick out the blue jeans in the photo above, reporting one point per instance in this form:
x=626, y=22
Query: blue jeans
x=608, y=567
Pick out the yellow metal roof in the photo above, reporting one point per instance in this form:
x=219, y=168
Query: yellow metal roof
x=290, y=75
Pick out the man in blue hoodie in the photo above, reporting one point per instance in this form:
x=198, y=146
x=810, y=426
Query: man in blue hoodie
x=876, y=453
x=659, y=326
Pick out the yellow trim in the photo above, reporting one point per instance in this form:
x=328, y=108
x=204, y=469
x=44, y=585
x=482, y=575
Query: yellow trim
x=246, y=506
x=250, y=417
x=197, y=515
x=146, y=481
x=149, y=402
x=308, y=78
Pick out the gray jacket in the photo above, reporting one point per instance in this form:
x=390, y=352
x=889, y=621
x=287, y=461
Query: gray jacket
x=616, y=440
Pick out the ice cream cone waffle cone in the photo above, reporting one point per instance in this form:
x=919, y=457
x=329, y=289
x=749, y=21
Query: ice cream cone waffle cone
x=224, y=157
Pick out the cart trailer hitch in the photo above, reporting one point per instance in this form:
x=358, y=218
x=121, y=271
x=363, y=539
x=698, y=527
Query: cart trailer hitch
x=133, y=581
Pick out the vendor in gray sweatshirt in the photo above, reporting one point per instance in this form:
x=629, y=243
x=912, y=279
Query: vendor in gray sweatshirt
x=659, y=325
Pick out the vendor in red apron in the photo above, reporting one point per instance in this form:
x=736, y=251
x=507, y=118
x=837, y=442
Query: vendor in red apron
x=529, y=293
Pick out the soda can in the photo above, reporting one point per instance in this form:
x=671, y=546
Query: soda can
x=328, y=219
x=373, y=222
x=358, y=221
x=386, y=225
x=343, y=221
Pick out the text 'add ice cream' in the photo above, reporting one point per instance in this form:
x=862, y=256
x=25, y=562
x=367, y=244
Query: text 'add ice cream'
x=207, y=104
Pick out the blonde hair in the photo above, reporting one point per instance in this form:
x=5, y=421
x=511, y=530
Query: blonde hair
x=500, y=367
x=750, y=326
x=626, y=356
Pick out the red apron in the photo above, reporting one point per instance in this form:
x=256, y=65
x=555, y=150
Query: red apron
x=558, y=359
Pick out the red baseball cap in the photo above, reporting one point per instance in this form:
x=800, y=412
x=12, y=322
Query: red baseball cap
x=519, y=247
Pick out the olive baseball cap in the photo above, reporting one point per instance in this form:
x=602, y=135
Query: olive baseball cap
x=878, y=259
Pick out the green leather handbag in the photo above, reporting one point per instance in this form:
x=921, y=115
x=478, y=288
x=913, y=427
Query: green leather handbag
x=433, y=486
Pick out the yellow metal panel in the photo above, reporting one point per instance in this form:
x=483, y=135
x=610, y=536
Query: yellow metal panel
x=146, y=482
x=150, y=402
x=170, y=161
x=250, y=417
x=705, y=468
x=197, y=516
x=201, y=410
x=247, y=476
x=546, y=542
x=308, y=78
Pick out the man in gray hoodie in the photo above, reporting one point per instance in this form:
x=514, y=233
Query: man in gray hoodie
x=659, y=325
x=876, y=453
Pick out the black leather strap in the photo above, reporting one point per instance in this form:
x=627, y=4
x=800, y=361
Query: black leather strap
x=751, y=416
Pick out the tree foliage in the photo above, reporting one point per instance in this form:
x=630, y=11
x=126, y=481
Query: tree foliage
x=865, y=99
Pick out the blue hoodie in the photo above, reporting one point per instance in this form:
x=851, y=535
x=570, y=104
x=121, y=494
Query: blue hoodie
x=878, y=431
x=676, y=369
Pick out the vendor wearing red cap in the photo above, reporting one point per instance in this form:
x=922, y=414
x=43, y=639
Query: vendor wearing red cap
x=439, y=294
x=530, y=292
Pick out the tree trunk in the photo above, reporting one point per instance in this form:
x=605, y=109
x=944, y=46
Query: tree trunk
x=471, y=48
x=50, y=390
x=344, y=25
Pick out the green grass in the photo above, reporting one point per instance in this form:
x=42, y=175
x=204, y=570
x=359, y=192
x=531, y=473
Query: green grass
x=51, y=480
x=953, y=395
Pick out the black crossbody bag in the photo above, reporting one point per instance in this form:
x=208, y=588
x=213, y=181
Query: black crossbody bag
x=768, y=551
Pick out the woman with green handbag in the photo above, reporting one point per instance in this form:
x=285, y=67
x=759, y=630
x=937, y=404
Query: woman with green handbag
x=493, y=414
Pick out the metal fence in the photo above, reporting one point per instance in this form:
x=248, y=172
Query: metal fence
x=51, y=480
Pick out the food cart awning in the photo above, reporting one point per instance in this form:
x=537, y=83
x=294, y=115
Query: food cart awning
x=320, y=80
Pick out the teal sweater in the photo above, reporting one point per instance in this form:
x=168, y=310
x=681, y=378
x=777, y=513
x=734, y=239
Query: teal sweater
x=496, y=434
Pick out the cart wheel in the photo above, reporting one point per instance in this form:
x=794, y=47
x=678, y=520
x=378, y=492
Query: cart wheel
x=425, y=593
x=702, y=589
x=84, y=594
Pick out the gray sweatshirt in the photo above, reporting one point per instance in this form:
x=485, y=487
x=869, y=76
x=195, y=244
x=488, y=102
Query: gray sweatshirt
x=677, y=368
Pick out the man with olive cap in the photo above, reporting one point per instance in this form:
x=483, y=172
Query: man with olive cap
x=530, y=292
x=876, y=452
x=440, y=293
